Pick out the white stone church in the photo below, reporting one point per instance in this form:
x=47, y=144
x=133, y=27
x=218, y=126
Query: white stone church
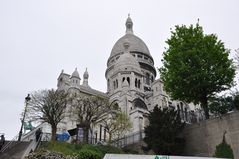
x=131, y=83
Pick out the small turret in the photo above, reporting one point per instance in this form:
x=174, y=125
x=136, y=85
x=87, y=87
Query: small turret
x=85, y=78
x=75, y=74
x=75, y=78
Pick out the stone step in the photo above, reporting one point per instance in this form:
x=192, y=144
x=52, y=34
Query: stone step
x=15, y=152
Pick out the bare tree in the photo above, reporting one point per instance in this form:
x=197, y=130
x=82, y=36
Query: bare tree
x=117, y=124
x=89, y=110
x=48, y=106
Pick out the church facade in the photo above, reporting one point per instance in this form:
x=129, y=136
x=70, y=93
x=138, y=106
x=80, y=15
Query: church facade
x=131, y=83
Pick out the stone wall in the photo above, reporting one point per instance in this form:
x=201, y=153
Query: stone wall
x=202, y=138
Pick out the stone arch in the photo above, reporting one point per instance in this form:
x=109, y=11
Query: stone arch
x=115, y=105
x=139, y=103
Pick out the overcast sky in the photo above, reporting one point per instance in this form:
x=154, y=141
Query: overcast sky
x=39, y=38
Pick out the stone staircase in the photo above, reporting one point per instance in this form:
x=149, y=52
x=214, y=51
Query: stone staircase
x=15, y=152
x=15, y=149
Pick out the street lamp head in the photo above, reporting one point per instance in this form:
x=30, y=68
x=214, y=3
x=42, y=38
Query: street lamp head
x=28, y=98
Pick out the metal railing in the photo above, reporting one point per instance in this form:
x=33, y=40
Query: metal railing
x=31, y=134
x=129, y=140
x=32, y=146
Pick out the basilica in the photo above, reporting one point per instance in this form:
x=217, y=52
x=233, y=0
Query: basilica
x=131, y=83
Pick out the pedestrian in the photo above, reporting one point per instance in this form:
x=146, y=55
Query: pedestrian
x=2, y=141
x=38, y=134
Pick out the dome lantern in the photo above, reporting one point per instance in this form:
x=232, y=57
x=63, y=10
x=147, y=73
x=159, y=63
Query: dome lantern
x=136, y=44
x=129, y=25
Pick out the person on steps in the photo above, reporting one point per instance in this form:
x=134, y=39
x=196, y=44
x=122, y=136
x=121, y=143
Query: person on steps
x=38, y=134
x=2, y=141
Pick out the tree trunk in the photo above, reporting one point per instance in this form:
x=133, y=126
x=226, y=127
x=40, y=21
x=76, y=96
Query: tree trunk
x=110, y=137
x=204, y=104
x=86, y=131
x=53, y=133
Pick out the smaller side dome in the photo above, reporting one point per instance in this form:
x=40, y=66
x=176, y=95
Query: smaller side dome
x=75, y=74
x=126, y=61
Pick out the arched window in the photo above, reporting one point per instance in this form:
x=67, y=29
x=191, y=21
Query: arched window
x=123, y=79
x=181, y=105
x=152, y=79
x=128, y=80
x=114, y=84
x=147, y=79
x=117, y=84
x=115, y=106
x=138, y=103
x=178, y=107
x=164, y=102
x=136, y=83
x=186, y=113
x=108, y=83
x=139, y=83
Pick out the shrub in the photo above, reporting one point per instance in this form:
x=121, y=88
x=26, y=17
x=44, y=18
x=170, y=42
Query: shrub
x=82, y=151
x=224, y=150
x=89, y=154
x=109, y=149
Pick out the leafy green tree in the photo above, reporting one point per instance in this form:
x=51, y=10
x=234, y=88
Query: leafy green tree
x=196, y=66
x=162, y=133
x=221, y=105
x=48, y=106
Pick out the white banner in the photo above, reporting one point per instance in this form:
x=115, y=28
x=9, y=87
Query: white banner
x=129, y=156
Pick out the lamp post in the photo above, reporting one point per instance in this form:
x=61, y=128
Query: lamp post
x=27, y=99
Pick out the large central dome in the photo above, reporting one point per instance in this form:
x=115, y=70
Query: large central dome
x=136, y=45
x=137, y=48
